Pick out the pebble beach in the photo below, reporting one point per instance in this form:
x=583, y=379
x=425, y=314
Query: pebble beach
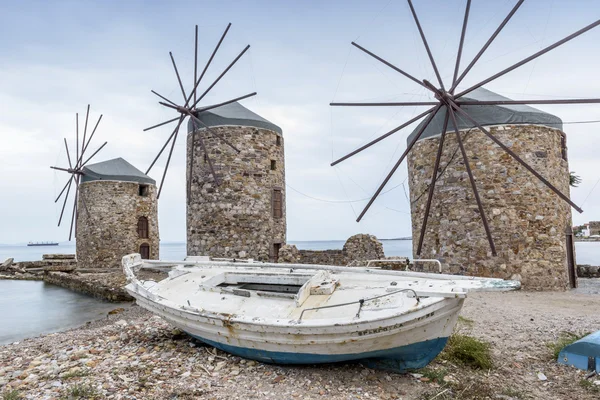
x=132, y=354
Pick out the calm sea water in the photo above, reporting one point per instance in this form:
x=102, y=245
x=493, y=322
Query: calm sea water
x=44, y=308
x=30, y=308
x=586, y=252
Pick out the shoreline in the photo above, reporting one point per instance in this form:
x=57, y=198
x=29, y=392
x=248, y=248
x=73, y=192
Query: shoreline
x=135, y=354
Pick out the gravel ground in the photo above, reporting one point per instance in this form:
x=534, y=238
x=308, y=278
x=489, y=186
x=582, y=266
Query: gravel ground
x=135, y=355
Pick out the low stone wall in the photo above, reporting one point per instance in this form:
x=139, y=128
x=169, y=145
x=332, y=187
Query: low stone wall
x=102, y=286
x=323, y=257
x=588, y=271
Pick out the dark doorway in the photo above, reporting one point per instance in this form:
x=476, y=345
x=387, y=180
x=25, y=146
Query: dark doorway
x=145, y=251
x=571, y=265
x=276, y=247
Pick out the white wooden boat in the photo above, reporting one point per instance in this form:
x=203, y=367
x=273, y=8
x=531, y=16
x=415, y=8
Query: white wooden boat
x=308, y=314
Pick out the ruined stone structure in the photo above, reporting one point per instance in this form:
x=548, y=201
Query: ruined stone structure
x=527, y=220
x=244, y=216
x=117, y=215
x=357, y=250
x=594, y=228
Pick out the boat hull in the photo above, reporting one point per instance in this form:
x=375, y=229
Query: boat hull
x=398, y=344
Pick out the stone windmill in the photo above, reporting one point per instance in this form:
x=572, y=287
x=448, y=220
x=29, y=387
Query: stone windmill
x=114, y=207
x=235, y=172
x=520, y=162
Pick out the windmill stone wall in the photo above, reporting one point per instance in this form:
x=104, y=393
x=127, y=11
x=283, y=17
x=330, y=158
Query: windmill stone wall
x=236, y=219
x=115, y=202
x=527, y=220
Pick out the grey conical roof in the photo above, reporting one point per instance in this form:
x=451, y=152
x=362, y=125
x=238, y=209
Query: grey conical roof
x=116, y=169
x=489, y=115
x=233, y=114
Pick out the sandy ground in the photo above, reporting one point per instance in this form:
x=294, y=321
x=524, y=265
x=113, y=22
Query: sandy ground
x=134, y=355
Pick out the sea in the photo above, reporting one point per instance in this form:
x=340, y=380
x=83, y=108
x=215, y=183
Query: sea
x=31, y=308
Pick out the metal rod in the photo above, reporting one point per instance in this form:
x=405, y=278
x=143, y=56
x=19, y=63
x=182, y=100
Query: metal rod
x=162, y=181
x=68, y=156
x=162, y=123
x=178, y=77
x=392, y=66
x=380, y=138
x=210, y=164
x=164, y=98
x=532, y=57
x=195, y=60
x=225, y=102
x=473, y=185
x=460, y=46
x=400, y=104
x=90, y=157
x=89, y=140
x=87, y=115
x=437, y=73
x=220, y=76
x=217, y=134
x=432, y=185
x=516, y=157
x=486, y=45
x=181, y=118
x=66, y=198
x=389, y=176
x=506, y=102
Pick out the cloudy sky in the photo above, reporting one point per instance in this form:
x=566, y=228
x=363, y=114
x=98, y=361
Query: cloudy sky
x=56, y=57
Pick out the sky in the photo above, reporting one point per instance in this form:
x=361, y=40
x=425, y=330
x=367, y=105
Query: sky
x=59, y=56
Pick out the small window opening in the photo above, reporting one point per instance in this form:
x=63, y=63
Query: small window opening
x=278, y=140
x=142, y=228
x=145, y=251
x=563, y=146
x=273, y=165
x=277, y=203
x=143, y=190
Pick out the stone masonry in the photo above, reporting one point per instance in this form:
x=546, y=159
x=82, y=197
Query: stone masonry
x=238, y=218
x=527, y=220
x=110, y=231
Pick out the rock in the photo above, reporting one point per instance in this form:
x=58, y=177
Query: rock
x=4, y=266
x=60, y=268
x=360, y=248
x=541, y=376
x=121, y=322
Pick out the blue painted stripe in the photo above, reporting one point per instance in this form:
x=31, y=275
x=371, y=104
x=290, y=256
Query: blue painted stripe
x=398, y=359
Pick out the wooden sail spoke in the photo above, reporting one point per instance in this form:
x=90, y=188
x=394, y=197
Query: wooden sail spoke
x=209, y=161
x=162, y=181
x=161, y=124
x=509, y=102
x=92, y=156
x=214, y=132
x=63, y=189
x=221, y=76
x=68, y=155
x=391, y=173
x=66, y=199
x=515, y=156
x=392, y=66
x=530, y=58
x=88, y=142
x=461, y=43
x=87, y=116
x=164, y=98
x=385, y=135
x=202, y=109
x=389, y=104
x=181, y=118
x=433, y=64
x=486, y=45
x=473, y=184
x=432, y=184
x=178, y=77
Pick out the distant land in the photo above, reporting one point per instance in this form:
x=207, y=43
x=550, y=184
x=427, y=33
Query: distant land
x=400, y=238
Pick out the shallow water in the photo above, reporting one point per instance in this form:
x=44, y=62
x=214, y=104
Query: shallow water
x=30, y=308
